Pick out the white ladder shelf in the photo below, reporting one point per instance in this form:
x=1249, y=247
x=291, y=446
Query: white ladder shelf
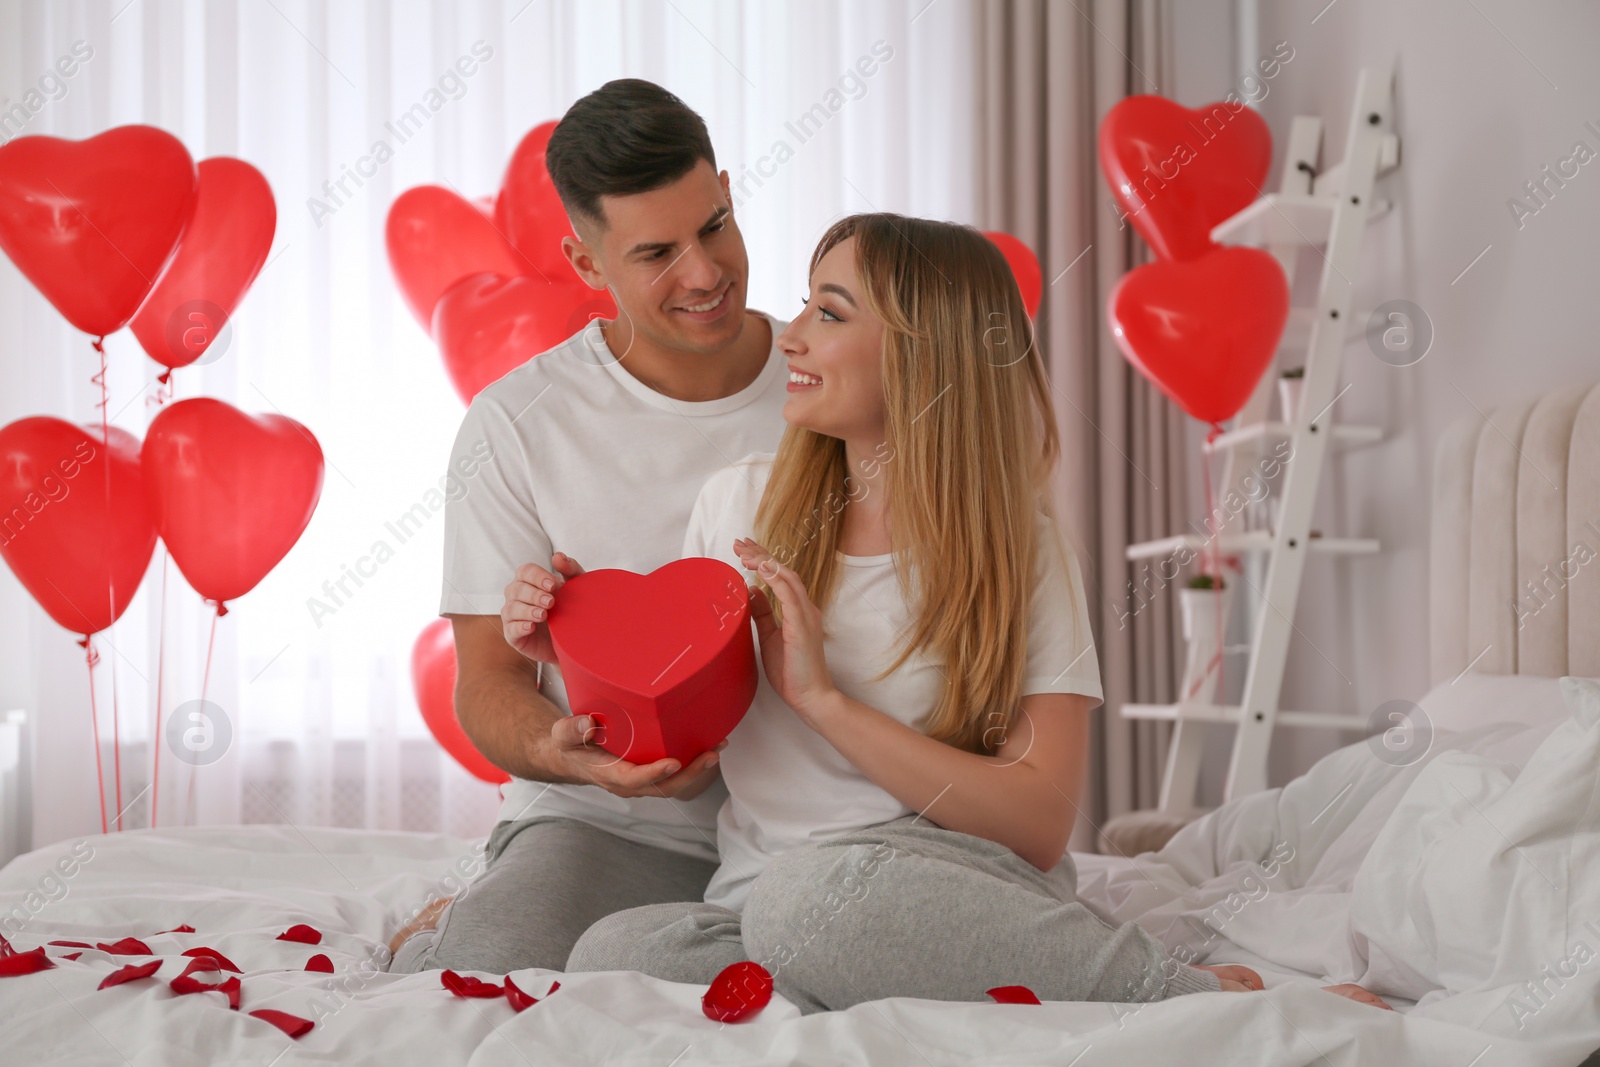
x=1330, y=211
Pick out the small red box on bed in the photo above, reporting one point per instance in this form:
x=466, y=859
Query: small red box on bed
x=665, y=661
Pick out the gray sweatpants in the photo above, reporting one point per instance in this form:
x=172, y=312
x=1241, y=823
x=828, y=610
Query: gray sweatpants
x=905, y=909
x=545, y=880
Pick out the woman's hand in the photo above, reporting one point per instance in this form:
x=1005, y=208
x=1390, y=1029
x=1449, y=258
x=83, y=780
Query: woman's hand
x=1234, y=978
x=791, y=653
x=529, y=598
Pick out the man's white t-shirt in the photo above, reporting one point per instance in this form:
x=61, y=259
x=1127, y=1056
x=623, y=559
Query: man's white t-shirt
x=570, y=452
x=787, y=785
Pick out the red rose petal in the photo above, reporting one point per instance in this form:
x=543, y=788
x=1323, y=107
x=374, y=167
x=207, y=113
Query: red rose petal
x=305, y=935
x=72, y=944
x=29, y=962
x=464, y=985
x=553, y=987
x=205, y=962
x=129, y=973
x=320, y=963
x=128, y=946
x=519, y=1000
x=1013, y=994
x=739, y=990
x=184, y=929
x=185, y=984
x=5, y=947
x=72, y=955
x=292, y=1025
x=223, y=962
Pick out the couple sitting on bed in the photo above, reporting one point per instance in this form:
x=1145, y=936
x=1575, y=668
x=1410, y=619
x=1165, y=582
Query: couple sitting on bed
x=890, y=818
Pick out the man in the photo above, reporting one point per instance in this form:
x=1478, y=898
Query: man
x=598, y=447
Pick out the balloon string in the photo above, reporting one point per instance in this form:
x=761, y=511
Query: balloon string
x=156, y=739
x=163, y=391
x=105, y=441
x=111, y=581
x=1217, y=663
x=211, y=642
x=116, y=739
x=90, y=658
x=205, y=684
x=1218, y=660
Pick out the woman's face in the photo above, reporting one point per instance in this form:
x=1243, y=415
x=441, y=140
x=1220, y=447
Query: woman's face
x=835, y=352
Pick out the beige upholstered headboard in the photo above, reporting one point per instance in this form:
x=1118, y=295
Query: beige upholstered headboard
x=1514, y=567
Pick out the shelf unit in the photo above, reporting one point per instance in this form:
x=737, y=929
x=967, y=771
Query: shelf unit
x=1328, y=211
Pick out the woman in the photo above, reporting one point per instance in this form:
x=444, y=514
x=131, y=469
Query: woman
x=901, y=789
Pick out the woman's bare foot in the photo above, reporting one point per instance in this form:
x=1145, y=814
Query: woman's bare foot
x=1357, y=994
x=1234, y=978
x=426, y=919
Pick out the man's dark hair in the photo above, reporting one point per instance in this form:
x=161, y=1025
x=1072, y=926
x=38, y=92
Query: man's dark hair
x=628, y=136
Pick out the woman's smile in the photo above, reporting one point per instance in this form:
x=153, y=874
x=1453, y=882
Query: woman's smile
x=799, y=380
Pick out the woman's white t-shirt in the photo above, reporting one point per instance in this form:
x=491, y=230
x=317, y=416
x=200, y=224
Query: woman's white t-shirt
x=787, y=786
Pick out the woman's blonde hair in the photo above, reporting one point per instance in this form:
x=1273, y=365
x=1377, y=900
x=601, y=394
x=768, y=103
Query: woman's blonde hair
x=971, y=441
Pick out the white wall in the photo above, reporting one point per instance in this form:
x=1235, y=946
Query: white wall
x=1486, y=94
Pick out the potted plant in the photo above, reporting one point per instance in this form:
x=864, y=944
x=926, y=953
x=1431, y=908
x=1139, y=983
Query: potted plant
x=1290, y=384
x=1204, y=606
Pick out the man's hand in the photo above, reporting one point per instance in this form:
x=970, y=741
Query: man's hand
x=529, y=598
x=574, y=736
x=1358, y=994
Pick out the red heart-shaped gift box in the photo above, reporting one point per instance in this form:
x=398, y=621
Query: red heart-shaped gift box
x=665, y=661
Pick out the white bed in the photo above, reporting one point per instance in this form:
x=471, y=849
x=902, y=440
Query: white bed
x=1445, y=881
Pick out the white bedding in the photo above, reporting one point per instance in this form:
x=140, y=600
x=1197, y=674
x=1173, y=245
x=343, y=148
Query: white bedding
x=1485, y=874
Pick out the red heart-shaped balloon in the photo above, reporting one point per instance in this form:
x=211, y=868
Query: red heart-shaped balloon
x=665, y=661
x=1024, y=268
x=433, y=679
x=220, y=255
x=489, y=324
x=1177, y=172
x=69, y=545
x=230, y=493
x=435, y=238
x=529, y=210
x=1204, y=330
x=92, y=223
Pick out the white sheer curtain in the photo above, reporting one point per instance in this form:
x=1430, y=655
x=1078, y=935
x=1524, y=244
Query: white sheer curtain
x=324, y=726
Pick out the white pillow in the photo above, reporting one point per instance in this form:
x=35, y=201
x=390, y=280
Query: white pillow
x=1484, y=875
x=1475, y=700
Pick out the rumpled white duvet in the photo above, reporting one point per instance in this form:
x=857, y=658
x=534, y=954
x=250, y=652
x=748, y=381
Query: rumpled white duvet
x=1465, y=887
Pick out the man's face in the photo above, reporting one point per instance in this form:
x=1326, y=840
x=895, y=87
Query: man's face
x=674, y=260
